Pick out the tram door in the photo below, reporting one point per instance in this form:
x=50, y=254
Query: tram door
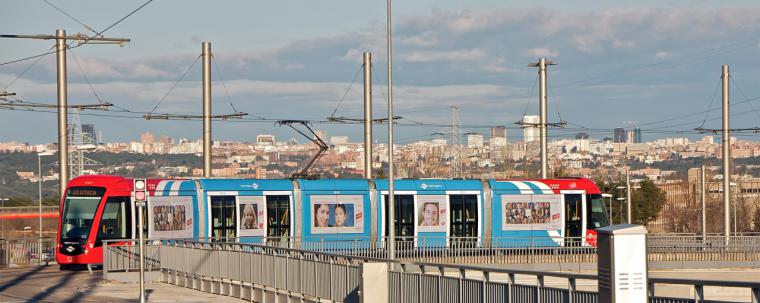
x=223, y=226
x=278, y=217
x=464, y=216
x=573, y=215
x=404, y=217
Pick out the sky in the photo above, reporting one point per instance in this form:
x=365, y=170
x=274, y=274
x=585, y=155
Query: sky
x=651, y=64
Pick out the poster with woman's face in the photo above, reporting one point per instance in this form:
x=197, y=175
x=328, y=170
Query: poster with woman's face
x=531, y=212
x=431, y=213
x=252, y=216
x=170, y=217
x=337, y=214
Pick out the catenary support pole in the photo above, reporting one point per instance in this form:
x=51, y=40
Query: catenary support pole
x=63, y=143
x=367, y=59
x=391, y=203
x=726, y=155
x=628, y=194
x=704, y=200
x=542, y=112
x=206, y=109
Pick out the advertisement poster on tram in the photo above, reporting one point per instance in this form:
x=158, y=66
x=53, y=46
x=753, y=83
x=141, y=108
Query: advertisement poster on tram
x=252, y=216
x=170, y=217
x=431, y=213
x=337, y=214
x=531, y=212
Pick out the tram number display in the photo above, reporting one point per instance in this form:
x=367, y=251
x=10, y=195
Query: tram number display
x=531, y=212
x=86, y=192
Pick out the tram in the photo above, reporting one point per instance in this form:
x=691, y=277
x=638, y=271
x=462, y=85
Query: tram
x=428, y=212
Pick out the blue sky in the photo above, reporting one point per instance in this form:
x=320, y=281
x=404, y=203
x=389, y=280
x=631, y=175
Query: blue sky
x=620, y=62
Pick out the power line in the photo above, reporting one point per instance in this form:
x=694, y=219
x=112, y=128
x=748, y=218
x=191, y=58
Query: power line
x=72, y=17
x=175, y=83
x=84, y=39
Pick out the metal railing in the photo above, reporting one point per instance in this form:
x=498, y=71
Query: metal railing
x=519, y=250
x=28, y=209
x=124, y=256
x=415, y=282
x=240, y=270
x=698, y=289
x=247, y=270
x=27, y=251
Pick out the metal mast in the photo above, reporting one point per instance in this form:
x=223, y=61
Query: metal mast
x=726, y=154
x=63, y=142
x=61, y=46
x=704, y=200
x=628, y=193
x=391, y=203
x=206, y=109
x=456, y=135
x=542, y=98
x=367, y=115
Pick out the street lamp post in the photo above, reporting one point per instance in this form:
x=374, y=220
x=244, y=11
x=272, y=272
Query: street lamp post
x=39, y=193
x=621, y=199
x=2, y=222
x=609, y=199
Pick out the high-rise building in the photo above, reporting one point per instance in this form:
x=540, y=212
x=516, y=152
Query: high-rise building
x=531, y=130
x=265, y=140
x=321, y=134
x=498, y=132
x=146, y=139
x=336, y=140
x=474, y=140
x=580, y=136
x=88, y=133
x=637, y=135
x=620, y=135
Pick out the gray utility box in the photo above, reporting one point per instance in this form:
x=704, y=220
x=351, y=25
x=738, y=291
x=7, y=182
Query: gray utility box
x=622, y=263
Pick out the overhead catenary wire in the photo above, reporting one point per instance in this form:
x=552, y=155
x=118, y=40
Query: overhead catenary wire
x=182, y=77
x=348, y=90
x=72, y=17
x=85, y=41
x=87, y=79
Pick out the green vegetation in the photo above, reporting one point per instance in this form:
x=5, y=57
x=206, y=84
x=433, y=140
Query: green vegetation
x=647, y=201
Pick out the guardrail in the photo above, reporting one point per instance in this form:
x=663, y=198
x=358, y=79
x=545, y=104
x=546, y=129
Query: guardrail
x=28, y=251
x=124, y=256
x=519, y=250
x=414, y=282
x=28, y=209
x=252, y=272
x=260, y=272
x=698, y=289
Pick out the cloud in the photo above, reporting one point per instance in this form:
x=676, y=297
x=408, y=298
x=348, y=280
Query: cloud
x=663, y=55
x=542, y=52
x=451, y=56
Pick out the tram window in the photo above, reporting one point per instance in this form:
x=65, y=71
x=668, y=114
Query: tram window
x=278, y=216
x=464, y=215
x=79, y=211
x=597, y=214
x=404, y=217
x=115, y=223
x=224, y=223
x=573, y=215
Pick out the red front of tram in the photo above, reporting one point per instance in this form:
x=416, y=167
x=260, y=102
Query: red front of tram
x=93, y=209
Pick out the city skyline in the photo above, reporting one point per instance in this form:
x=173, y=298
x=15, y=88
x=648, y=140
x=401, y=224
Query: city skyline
x=632, y=58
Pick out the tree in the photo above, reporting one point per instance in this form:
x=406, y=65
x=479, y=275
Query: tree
x=647, y=202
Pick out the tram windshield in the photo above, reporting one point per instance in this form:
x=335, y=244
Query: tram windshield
x=79, y=212
x=597, y=215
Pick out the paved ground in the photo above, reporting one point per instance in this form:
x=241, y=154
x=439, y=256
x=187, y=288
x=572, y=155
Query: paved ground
x=48, y=284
